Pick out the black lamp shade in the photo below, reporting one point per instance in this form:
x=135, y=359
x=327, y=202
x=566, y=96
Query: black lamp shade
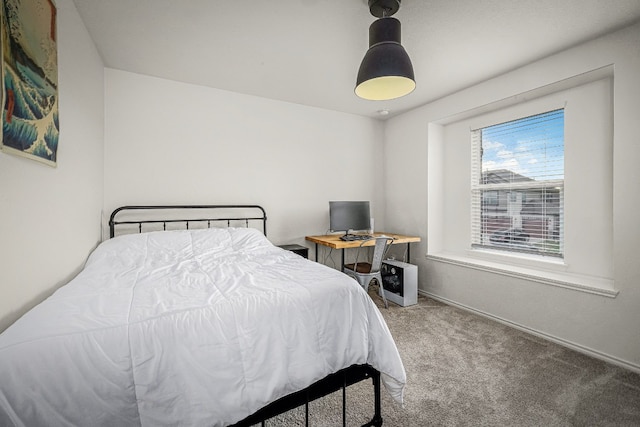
x=386, y=71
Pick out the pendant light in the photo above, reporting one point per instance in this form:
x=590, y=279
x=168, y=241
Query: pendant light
x=386, y=71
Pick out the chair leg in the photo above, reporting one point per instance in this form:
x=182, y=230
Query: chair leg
x=381, y=290
x=365, y=284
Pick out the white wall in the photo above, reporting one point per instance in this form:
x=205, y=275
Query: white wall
x=603, y=326
x=50, y=217
x=170, y=142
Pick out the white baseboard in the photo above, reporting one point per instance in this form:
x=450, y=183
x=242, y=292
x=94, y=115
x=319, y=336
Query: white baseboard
x=577, y=347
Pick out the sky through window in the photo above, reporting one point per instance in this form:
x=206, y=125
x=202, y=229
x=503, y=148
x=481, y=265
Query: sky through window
x=532, y=146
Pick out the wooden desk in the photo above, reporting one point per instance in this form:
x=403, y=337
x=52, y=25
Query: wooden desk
x=333, y=241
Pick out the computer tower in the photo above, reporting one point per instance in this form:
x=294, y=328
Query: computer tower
x=400, y=282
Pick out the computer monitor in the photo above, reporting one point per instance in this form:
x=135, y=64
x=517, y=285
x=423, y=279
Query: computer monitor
x=349, y=216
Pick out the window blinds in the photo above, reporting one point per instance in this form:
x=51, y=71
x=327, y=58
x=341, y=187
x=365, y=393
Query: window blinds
x=517, y=185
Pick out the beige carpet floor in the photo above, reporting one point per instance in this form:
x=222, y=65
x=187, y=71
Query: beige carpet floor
x=466, y=370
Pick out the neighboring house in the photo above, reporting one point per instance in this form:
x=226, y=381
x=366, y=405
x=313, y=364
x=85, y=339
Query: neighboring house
x=534, y=211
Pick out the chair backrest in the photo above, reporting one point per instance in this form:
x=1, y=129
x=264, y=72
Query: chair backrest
x=382, y=244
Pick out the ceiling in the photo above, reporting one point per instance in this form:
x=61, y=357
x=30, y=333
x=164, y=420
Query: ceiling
x=308, y=51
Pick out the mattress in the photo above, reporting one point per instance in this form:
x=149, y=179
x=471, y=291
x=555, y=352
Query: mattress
x=193, y=327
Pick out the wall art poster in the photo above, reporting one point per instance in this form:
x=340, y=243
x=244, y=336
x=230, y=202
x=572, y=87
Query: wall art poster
x=30, y=125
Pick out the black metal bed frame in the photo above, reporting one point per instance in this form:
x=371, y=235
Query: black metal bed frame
x=204, y=208
x=331, y=383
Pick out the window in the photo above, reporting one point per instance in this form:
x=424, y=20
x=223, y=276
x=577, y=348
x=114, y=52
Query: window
x=517, y=185
x=490, y=198
x=572, y=246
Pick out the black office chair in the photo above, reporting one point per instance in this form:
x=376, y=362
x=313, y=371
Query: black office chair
x=365, y=272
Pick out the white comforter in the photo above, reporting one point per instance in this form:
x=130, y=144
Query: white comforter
x=199, y=327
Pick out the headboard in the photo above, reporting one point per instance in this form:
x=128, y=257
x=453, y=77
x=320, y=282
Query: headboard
x=158, y=217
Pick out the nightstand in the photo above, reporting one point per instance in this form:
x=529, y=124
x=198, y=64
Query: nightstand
x=298, y=249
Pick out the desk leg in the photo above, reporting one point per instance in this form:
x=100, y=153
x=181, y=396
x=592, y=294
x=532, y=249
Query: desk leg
x=408, y=253
x=341, y=257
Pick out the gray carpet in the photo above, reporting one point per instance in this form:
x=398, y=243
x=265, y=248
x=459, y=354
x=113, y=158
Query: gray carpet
x=465, y=370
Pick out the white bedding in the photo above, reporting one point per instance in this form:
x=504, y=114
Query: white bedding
x=198, y=327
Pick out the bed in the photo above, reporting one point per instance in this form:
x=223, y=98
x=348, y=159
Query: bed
x=206, y=325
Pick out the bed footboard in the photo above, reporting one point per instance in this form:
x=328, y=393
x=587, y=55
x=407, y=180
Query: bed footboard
x=333, y=382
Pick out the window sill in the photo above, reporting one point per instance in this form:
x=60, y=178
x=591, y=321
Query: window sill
x=529, y=268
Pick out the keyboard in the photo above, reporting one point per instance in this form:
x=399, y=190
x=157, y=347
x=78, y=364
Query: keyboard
x=355, y=237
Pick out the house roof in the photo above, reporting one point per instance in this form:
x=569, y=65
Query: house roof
x=503, y=176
